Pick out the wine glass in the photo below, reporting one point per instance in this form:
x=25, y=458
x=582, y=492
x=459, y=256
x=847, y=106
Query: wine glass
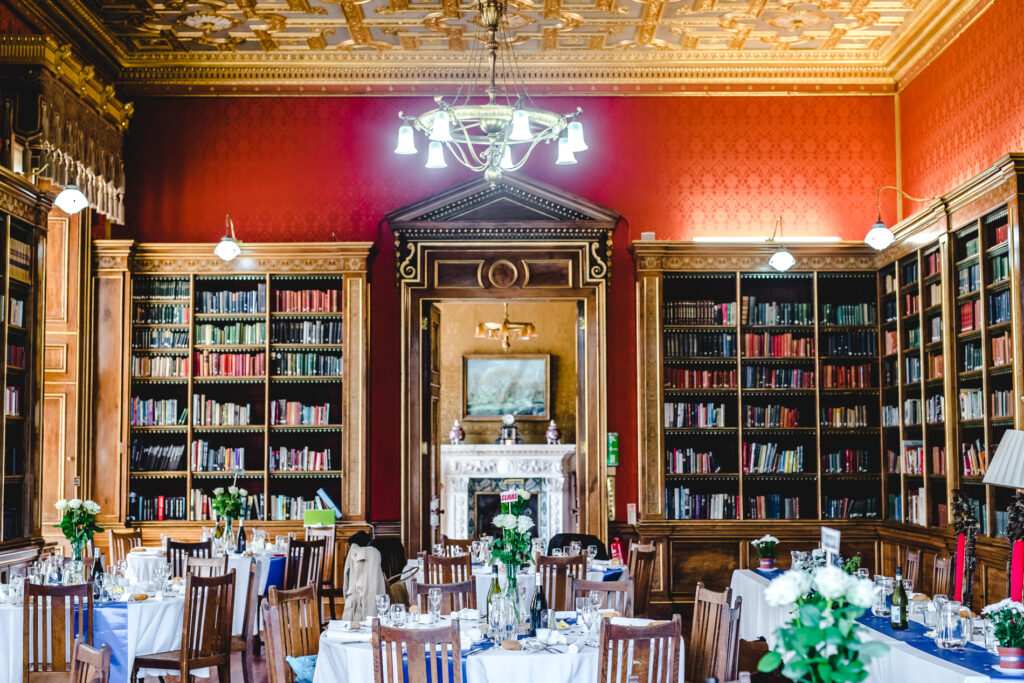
x=575, y=548
x=439, y=550
x=592, y=552
x=383, y=602
x=567, y=550
x=908, y=586
x=557, y=552
x=496, y=619
x=398, y=615
x=434, y=604
x=863, y=573
x=596, y=599
x=588, y=618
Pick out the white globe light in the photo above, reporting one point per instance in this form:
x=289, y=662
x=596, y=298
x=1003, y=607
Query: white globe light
x=227, y=249
x=440, y=130
x=879, y=237
x=435, y=155
x=782, y=260
x=565, y=155
x=406, y=140
x=506, y=159
x=576, y=142
x=520, y=126
x=71, y=200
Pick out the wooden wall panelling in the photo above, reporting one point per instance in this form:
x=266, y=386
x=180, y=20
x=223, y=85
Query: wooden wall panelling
x=355, y=447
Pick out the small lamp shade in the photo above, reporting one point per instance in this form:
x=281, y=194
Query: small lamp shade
x=227, y=249
x=782, y=260
x=406, y=140
x=440, y=130
x=71, y=200
x=879, y=237
x=506, y=163
x=565, y=155
x=1007, y=465
x=435, y=155
x=575, y=133
x=520, y=126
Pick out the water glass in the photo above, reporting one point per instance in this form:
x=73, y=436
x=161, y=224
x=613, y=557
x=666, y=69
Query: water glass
x=434, y=604
x=575, y=548
x=164, y=538
x=567, y=551
x=863, y=573
x=557, y=552
x=592, y=552
x=536, y=549
x=439, y=550
x=496, y=618
x=17, y=588
x=800, y=559
x=908, y=585
x=883, y=592
x=988, y=635
x=398, y=615
x=383, y=602
x=596, y=599
x=954, y=630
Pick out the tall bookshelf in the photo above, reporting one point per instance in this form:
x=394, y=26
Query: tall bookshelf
x=252, y=373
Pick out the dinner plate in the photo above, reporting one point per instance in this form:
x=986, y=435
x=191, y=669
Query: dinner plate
x=1009, y=672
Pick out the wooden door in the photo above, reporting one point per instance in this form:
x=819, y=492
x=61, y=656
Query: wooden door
x=430, y=430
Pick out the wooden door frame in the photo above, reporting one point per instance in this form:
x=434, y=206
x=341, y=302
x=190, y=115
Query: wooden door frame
x=517, y=240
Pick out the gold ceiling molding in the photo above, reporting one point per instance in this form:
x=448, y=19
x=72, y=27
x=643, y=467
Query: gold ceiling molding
x=614, y=46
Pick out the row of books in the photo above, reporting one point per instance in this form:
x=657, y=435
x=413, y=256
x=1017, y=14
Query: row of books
x=890, y=416
x=12, y=401
x=159, y=366
x=968, y=279
x=890, y=374
x=913, y=337
x=850, y=344
x=718, y=344
x=970, y=315
x=156, y=457
x=935, y=328
x=16, y=355
x=1000, y=234
x=1002, y=349
x=775, y=345
x=686, y=378
x=199, y=506
x=228, y=301
x=1002, y=403
x=969, y=247
x=156, y=288
x=152, y=412
x=206, y=458
x=760, y=377
x=220, y=364
x=690, y=461
x=231, y=333
x=292, y=507
x=849, y=314
x=911, y=304
x=934, y=293
x=935, y=409
x=299, y=459
x=20, y=260
x=307, y=301
x=699, y=313
x=17, y=312
x=306, y=331
x=142, y=508
x=844, y=417
x=160, y=314
x=971, y=354
x=911, y=273
x=772, y=506
x=769, y=458
x=302, y=363
x=912, y=369
x=917, y=513
x=1000, y=267
x=681, y=503
x=209, y=412
x=284, y=412
x=936, y=365
x=932, y=263
x=847, y=461
x=973, y=458
x=972, y=404
x=889, y=283
x=938, y=460
x=892, y=342
x=771, y=416
x=776, y=313
x=912, y=411
x=999, y=308
x=890, y=310
x=860, y=376
x=913, y=457
x=849, y=508
x=156, y=338
x=694, y=415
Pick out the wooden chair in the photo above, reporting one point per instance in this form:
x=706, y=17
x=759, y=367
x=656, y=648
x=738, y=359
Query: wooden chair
x=179, y=551
x=642, y=653
x=121, y=543
x=941, y=573
x=88, y=664
x=246, y=642
x=556, y=575
x=329, y=535
x=205, y=630
x=618, y=595
x=207, y=566
x=272, y=638
x=912, y=568
x=641, y=570
x=713, y=649
x=464, y=545
x=52, y=616
x=304, y=564
x=446, y=569
x=298, y=618
x=434, y=650
x=454, y=596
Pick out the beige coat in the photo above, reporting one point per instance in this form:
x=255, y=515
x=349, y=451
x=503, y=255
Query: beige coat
x=364, y=581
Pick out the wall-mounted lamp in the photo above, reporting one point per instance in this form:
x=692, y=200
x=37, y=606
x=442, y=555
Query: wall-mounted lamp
x=781, y=260
x=70, y=200
x=880, y=237
x=229, y=247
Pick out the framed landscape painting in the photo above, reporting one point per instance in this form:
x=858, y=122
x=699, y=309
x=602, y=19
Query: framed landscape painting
x=516, y=384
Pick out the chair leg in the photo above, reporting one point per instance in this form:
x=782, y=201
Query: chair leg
x=224, y=672
x=247, y=669
x=135, y=673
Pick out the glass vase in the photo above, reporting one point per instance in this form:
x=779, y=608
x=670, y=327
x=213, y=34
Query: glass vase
x=512, y=588
x=227, y=539
x=76, y=550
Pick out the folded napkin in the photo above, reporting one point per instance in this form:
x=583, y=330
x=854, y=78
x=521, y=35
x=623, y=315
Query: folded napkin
x=339, y=631
x=630, y=621
x=471, y=635
x=549, y=637
x=467, y=613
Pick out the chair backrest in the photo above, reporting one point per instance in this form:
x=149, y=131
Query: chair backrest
x=454, y=596
x=251, y=600
x=304, y=564
x=617, y=595
x=178, y=553
x=207, y=566
x=427, y=650
x=330, y=536
x=648, y=653
x=52, y=617
x=912, y=568
x=206, y=628
x=89, y=664
x=641, y=570
x=272, y=637
x=299, y=623
x=121, y=542
x=465, y=545
x=556, y=575
x=713, y=650
x=446, y=569
x=941, y=573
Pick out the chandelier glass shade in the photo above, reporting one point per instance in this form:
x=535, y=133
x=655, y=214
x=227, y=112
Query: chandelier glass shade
x=498, y=134
x=506, y=331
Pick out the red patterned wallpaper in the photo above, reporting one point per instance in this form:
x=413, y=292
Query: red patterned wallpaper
x=966, y=109
x=307, y=169
x=10, y=22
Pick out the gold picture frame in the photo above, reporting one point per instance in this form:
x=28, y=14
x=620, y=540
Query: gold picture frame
x=506, y=383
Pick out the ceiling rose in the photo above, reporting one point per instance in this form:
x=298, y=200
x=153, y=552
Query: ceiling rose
x=800, y=20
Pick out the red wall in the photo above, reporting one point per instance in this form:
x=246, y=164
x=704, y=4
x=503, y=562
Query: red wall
x=313, y=169
x=966, y=109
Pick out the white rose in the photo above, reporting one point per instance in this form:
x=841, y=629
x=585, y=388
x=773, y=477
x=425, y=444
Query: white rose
x=861, y=593
x=831, y=582
x=75, y=503
x=232, y=490
x=525, y=495
x=784, y=590
x=525, y=524
x=219, y=490
x=61, y=505
x=92, y=507
x=242, y=491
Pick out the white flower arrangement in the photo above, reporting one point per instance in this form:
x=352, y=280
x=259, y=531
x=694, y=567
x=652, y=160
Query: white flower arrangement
x=78, y=522
x=765, y=545
x=1007, y=616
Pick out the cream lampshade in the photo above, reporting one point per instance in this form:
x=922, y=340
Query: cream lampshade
x=1007, y=466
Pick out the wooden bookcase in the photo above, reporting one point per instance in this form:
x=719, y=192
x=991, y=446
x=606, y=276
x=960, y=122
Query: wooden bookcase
x=219, y=361
x=23, y=210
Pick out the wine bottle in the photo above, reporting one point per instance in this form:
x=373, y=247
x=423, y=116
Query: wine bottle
x=538, y=608
x=493, y=590
x=97, y=576
x=899, y=603
x=240, y=541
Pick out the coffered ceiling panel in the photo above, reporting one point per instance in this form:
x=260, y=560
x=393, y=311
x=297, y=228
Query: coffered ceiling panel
x=400, y=42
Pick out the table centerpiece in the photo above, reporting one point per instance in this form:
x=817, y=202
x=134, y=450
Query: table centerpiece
x=78, y=524
x=765, y=547
x=512, y=547
x=1007, y=618
x=227, y=505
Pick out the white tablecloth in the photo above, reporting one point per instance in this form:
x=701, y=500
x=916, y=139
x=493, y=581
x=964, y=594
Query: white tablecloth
x=341, y=662
x=902, y=663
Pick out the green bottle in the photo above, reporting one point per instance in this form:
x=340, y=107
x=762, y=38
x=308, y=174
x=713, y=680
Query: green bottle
x=492, y=591
x=899, y=603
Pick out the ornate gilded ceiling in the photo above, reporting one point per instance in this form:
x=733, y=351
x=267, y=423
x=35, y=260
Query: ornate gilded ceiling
x=861, y=44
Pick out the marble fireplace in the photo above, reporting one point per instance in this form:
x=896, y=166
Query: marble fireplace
x=472, y=476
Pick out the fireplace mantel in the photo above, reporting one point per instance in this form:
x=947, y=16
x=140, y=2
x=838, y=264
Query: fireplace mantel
x=552, y=466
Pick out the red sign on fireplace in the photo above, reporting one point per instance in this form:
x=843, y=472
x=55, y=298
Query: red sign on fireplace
x=509, y=496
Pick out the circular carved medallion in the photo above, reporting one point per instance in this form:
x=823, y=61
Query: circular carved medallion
x=502, y=274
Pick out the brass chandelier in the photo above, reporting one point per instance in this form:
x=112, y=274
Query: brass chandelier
x=506, y=331
x=482, y=136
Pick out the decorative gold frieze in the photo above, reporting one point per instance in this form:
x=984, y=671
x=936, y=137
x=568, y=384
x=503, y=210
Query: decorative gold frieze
x=657, y=256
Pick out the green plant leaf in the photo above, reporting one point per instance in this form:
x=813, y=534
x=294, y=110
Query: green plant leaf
x=872, y=648
x=769, y=662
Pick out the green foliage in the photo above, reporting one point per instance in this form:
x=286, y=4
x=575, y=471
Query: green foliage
x=1009, y=626
x=228, y=503
x=852, y=564
x=512, y=548
x=78, y=525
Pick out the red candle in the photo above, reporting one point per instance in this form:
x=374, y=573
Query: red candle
x=1017, y=571
x=958, y=584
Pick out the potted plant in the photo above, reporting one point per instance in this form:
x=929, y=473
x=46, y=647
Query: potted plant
x=765, y=547
x=821, y=641
x=1008, y=619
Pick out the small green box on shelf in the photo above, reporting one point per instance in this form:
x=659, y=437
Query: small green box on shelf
x=318, y=517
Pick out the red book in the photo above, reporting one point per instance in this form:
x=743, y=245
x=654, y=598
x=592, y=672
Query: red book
x=159, y=508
